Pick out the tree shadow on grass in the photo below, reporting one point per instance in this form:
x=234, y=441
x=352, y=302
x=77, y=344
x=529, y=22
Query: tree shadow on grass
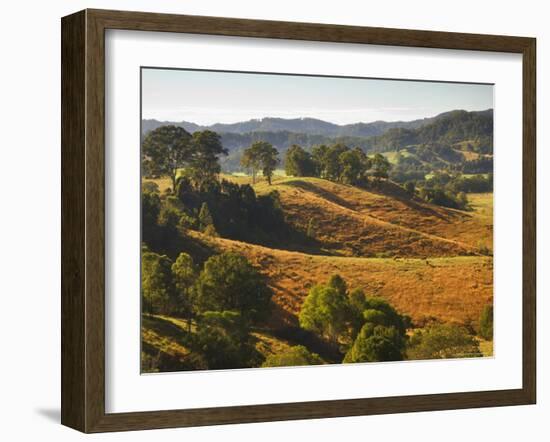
x=299, y=336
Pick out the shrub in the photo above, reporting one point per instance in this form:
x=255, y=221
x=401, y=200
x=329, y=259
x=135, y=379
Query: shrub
x=223, y=340
x=297, y=355
x=442, y=341
x=376, y=343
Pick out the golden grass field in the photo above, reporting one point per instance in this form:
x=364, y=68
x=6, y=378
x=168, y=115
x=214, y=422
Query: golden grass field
x=351, y=221
x=430, y=262
x=430, y=265
x=451, y=289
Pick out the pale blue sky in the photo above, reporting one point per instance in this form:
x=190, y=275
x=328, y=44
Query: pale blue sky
x=206, y=97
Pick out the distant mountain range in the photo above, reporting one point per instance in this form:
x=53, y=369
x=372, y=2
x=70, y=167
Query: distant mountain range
x=446, y=128
x=310, y=126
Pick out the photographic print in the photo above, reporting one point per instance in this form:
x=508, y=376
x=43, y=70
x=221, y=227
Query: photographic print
x=295, y=220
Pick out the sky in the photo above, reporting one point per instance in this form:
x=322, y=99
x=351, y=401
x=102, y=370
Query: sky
x=208, y=97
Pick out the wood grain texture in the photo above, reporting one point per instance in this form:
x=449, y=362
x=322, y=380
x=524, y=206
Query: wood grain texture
x=83, y=220
x=73, y=254
x=529, y=220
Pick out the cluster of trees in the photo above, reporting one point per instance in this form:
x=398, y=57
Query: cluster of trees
x=442, y=196
x=261, y=155
x=337, y=163
x=443, y=341
x=198, y=200
x=220, y=303
x=369, y=329
x=450, y=190
x=365, y=329
x=293, y=356
x=221, y=208
x=167, y=149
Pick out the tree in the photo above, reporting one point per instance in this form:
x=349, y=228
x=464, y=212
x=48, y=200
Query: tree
x=298, y=162
x=333, y=166
x=443, y=341
x=378, y=330
x=338, y=284
x=165, y=150
x=326, y=311
x=380, y=167
x=157, y=288
x=204, y=164
x=391, y=317
x=229, y=282
x=319, y=155
x=205, y=217
x=376, y=343
x=269, y=160
x=293, y=356
x=260, y=155
x=486, y=323
x=150, y=210
x=184, y=275
x=223, y=340
x=353, y=166
x=251, y=160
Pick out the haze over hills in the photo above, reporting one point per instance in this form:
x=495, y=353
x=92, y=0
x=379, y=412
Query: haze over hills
x=310, y=126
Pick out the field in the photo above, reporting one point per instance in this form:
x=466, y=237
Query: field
x=381, y=222
x=425, y=259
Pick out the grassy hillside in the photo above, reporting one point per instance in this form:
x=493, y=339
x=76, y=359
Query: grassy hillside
x=428, y=261
x=381, y=222
x=163, y=339
x=451, y=289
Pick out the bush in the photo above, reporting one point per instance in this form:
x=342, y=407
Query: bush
x=443, y=341
x=293, y=356
x=376, y=343
x=223, y=340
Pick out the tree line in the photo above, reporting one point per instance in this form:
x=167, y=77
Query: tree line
x=337, y=163
x=168, y=149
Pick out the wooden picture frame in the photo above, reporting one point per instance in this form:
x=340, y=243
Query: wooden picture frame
x=83, y=220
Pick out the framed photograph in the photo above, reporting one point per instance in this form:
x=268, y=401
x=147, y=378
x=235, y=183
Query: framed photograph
x=266, y=221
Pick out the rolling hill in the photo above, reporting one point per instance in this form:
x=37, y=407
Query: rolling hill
x=425, y=259
x=383, y=221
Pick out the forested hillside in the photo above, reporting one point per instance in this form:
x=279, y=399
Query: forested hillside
x=465, y=131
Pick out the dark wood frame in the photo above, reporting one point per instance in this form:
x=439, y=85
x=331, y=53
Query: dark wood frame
x=83, y=216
